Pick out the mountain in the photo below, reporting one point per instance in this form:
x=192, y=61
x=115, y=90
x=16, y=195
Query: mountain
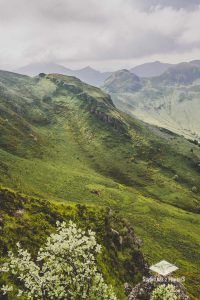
x=180, y=74
x=37, y=68
x=151, y=69
x=170, y=100
x=195, y=62
x=65, y=141
x=86, y=74
x=122, y=81
x=91, y=76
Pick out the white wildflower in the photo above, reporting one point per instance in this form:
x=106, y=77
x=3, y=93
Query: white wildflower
x=65, y=268
x=6, y=289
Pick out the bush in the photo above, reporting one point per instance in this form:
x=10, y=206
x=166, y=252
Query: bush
x=176, y=177
x=65, y=268
x=163, y=292
x=42, y=75
x=194, y=189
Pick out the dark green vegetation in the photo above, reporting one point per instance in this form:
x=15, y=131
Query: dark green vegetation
x=64, y=140
x=30, y=220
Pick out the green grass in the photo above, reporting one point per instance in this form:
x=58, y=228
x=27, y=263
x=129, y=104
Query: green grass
x=30, y=220
x=79, y=157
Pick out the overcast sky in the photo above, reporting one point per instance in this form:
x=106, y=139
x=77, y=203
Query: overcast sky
x=105, y=34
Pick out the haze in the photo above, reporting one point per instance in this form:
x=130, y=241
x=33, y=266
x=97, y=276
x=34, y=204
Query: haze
x=107, y=35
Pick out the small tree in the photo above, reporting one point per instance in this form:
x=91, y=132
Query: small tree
x=65, y=268
x=163, y=292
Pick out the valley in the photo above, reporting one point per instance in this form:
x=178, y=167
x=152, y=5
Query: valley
x=65, y=141
x=170, y=100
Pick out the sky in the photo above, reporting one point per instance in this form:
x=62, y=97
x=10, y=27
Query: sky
x=105, y=34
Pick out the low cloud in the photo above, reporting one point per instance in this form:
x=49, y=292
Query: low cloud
x=106, y=34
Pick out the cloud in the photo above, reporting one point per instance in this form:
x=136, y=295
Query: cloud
x=105, y=34
x=188, y=4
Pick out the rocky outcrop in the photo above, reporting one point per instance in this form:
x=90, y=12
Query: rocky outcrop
x=69, y=87
x=92, y=100
x=117, y=124
x=87, y=98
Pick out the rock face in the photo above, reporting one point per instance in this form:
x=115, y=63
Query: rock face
x=108, y=119
x=92, y=100
x=143, y=291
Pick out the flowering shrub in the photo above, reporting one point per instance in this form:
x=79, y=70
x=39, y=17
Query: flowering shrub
x=65, y=268
x=163, y=292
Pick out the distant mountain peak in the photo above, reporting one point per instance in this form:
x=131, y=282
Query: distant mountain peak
x=42, y=67
x=88, y=68
x=86, y=74
x=124, y=74
x=195, y=62
x=151, y=69
x=122, y=80
x=183, y=73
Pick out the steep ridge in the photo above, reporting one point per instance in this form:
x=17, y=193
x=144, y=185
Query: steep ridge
x=77, y=146
x=170, y=100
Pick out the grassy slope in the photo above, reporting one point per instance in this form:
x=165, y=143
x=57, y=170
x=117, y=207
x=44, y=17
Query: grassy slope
x=170, y=100
x=70, y=152
x=30, y=220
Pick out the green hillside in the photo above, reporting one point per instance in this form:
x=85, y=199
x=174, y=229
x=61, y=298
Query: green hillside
x=63, y=140
x=30, y=220
x=170, y=100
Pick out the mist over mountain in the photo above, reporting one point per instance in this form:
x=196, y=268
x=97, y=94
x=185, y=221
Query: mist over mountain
x=123, y=81
x=150, y=69
x=36, y=68
x=87, y=74
x=95, y=77
x=180, y=74
x=170, y=100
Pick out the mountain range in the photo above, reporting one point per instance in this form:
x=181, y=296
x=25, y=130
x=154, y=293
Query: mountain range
x=65, y=141
x=90, y=75
x=170, y=100
x=87, y=74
